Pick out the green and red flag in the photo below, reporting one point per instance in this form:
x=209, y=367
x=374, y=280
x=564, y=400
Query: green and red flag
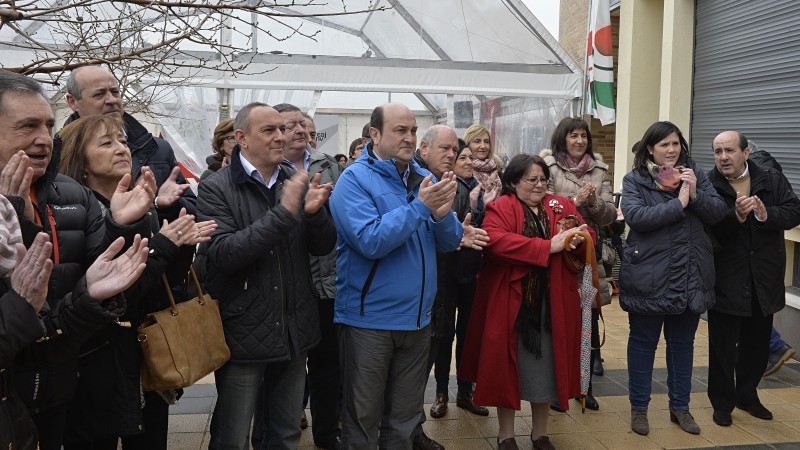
x=600, y=64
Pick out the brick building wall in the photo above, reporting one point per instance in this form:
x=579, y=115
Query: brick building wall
x=573, y=23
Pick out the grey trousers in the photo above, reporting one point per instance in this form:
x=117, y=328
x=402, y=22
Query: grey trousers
x=383, y=374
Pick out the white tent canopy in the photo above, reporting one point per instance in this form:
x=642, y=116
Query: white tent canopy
x=437, y=57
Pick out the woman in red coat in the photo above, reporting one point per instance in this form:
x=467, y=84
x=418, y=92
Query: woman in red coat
x=523, y=340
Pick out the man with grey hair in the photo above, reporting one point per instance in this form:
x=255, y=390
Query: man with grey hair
x=270, y=218
x=45, y=373
x=94, y=90
x=437, y=152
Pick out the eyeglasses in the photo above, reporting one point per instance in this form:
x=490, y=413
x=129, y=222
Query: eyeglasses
x=312, y=134
x=231, y=139
x=535, y=181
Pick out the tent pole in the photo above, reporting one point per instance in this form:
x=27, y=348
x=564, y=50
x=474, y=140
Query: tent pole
x=585, y=88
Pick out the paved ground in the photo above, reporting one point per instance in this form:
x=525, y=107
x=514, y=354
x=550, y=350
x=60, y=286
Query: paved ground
x=608, y=428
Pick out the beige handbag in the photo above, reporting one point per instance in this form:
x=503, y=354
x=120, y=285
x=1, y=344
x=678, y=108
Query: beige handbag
x=182, y=343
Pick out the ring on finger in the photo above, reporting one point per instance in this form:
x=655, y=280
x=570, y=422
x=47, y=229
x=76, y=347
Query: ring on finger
x=180, y=233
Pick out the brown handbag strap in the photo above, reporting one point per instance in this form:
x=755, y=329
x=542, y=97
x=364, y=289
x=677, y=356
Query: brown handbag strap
x=200, y=293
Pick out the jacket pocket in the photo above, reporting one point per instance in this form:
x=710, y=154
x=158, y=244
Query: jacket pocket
x=238, y=304
x=636, y=272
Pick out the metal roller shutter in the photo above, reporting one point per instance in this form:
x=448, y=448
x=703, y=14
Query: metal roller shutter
x=747, y=78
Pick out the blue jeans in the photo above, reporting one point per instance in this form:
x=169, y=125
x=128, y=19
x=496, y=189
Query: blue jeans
x=237, y=393
x=775, y=341
x=645, y=330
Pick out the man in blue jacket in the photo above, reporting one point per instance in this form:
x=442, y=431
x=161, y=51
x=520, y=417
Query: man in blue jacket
x=391, y=219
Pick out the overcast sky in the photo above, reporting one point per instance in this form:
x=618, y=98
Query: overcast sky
x=547, y=13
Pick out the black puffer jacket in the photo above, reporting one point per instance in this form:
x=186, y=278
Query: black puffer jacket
x=668, y=260
x=46, y=372
x=258, y=265
x=108, y=399
x=752, y=255
x=20, y=329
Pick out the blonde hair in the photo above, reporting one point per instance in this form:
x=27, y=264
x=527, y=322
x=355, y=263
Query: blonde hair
x=475, y=131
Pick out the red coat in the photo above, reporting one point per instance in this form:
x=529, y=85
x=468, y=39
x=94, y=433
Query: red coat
x=490, y=348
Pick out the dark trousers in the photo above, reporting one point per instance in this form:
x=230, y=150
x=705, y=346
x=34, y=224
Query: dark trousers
x=464, y=296
x=156, y=420
x=738, y=350
x=436, y=345
x=323, y=378
x=50, y=424
x=383, y=379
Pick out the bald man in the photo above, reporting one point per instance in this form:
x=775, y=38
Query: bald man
x=750, y=262
x=391, y=220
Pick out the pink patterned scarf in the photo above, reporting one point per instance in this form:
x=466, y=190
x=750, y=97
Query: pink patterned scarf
x=579, y=167
x=483, y=172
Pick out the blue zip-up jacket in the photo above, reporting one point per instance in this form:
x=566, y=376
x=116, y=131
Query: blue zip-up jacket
x=386, y=257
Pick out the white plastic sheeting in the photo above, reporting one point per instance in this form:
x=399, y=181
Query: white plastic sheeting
x=430, y=55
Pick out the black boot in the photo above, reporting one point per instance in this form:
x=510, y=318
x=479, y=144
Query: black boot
x=597, y=364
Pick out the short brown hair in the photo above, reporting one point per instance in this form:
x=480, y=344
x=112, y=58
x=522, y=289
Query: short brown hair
x=222, y=128
x=75, y=138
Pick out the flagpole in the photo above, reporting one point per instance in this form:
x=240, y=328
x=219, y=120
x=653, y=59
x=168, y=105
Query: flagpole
x=586, y=60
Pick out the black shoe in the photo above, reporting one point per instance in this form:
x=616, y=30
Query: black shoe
x=756, y=410
x=591, y=402
x=423, y=442
x=464, y=401
x=597, y=366
x=777, y=358
x=333, y=444
x=722, y=418
x=555, y=406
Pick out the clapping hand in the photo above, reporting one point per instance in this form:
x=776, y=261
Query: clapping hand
x=170, y=192
x=474, y=237
x=32, y=272
x=128, y=206
x=439, y=196
x=746, y=205
x=292, y=192
x=586, y=195
x=16, y=179
x=688, y=177
x=108, y=276
x=317, y=195
x=185, y=231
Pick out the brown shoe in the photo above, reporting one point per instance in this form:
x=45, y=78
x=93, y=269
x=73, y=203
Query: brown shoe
x=423, y=442
x=303, y=421
x=439, y=407
x=464, y=401
x=507, y=444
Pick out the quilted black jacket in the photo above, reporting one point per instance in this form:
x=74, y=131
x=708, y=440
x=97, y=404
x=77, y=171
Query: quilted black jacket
x=258, y=265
